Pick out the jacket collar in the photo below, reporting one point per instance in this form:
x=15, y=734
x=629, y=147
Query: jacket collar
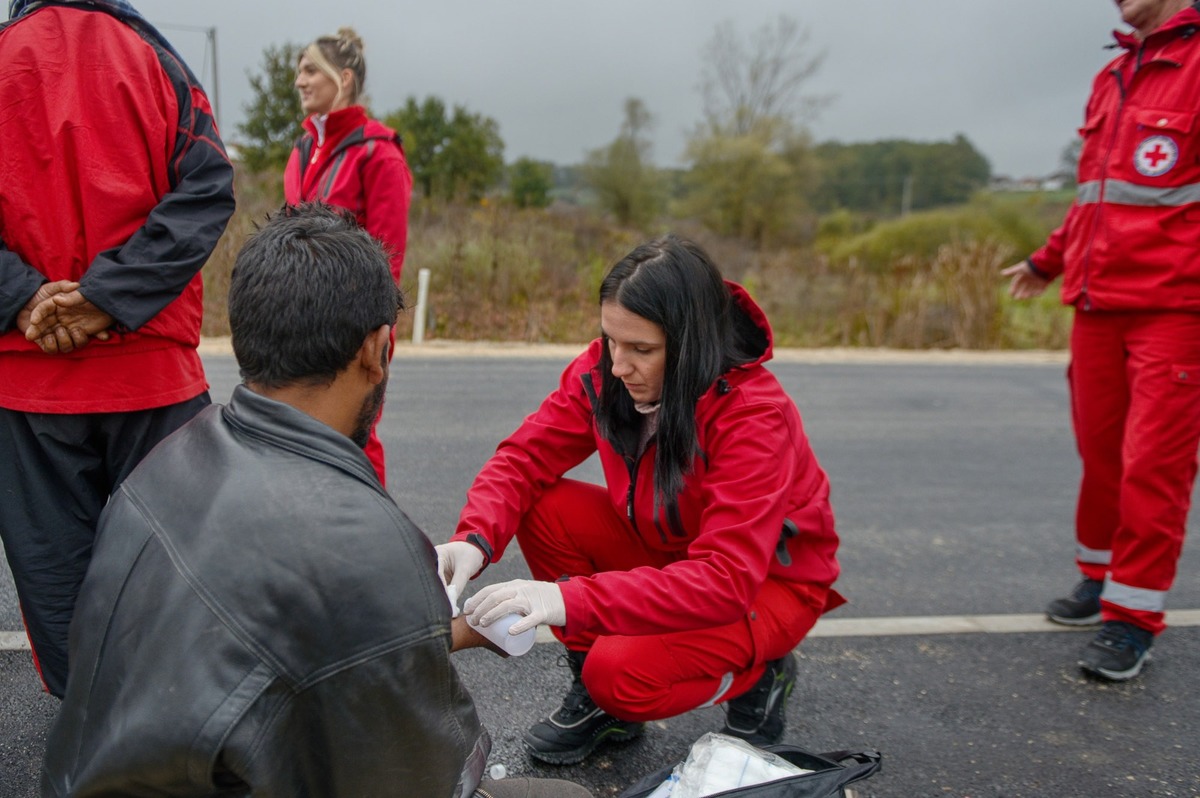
x=285, y=427
x=338, y=124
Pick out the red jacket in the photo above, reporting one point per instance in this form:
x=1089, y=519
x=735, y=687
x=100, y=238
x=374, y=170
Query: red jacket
x=756, y=471
x=359, y=166
x=127, y=195
x=1131, y=240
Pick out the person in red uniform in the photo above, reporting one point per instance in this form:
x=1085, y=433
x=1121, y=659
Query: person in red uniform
x=348, y=160
x=116, y=190
x=689, y=578
x=1129, y=256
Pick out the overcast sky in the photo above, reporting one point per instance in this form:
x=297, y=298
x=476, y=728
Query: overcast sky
x=1012, y=75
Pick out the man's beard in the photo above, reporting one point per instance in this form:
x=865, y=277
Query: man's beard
x=368, y=413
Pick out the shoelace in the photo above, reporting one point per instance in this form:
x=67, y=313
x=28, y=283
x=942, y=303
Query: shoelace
x=577, y=699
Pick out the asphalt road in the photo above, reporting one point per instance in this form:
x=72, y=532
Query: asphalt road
x=953, y=484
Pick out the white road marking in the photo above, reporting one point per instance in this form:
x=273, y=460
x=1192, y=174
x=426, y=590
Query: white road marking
x=862, y=627
x=13, y=641
x=944, y=625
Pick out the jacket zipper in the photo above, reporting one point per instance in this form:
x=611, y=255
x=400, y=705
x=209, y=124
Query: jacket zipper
x=631, y=465
x=630, y=500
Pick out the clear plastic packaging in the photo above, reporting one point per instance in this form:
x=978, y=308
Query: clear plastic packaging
x=718, y=762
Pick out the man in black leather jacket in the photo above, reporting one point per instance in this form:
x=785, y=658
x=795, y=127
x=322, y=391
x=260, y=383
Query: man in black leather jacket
x=259, y=616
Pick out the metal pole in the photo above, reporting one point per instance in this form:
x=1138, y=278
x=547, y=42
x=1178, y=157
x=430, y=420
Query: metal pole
x=418, y=335
x=216, y=84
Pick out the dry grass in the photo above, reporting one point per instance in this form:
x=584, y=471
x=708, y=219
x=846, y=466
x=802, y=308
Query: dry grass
x=499, y=273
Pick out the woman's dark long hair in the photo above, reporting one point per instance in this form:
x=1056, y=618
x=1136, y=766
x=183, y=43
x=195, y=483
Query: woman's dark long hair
x=673, y=283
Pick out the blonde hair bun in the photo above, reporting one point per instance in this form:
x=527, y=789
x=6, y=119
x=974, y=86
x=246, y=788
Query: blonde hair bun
x=348, y=35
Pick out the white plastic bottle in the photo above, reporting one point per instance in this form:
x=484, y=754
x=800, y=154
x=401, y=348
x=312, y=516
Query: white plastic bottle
x=514, y=645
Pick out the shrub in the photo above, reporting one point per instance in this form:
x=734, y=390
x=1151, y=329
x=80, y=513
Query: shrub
x=920, y=235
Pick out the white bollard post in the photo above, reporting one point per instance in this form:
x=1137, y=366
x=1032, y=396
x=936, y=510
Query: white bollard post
x=418, y=335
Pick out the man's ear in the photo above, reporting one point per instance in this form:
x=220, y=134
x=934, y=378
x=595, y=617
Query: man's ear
x=373, y=354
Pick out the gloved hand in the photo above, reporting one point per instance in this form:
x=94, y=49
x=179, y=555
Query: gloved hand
x=457, y=562
x=539, y=602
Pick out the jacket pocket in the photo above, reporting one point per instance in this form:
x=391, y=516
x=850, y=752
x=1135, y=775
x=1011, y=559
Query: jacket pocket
x=1152, y=119
x=1157, y=144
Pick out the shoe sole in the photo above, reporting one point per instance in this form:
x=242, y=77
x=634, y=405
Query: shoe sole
x=1087, y=620
x=1116, y=676
x=613, y=734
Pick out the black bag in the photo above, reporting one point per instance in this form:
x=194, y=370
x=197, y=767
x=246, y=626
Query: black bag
x=827, y=779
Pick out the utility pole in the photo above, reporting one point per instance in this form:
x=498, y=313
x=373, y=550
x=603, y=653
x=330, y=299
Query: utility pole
x=210, y=35
x=216, y=84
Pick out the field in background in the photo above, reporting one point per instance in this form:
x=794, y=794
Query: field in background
x=928, y=280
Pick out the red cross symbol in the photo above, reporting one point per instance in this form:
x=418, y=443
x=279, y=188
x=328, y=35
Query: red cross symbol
x=1156, y=155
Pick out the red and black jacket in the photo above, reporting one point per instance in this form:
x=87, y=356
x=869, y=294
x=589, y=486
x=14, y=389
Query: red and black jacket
x=114, y=176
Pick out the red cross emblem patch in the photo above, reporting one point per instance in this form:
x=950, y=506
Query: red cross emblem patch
x=1156, y=156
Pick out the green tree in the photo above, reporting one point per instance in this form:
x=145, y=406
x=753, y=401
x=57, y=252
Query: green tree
x=750, y=158
x=273, y=114
x=896, y=176
x=622, y=175
x=530, y=182
x=749, y=185
x=451, y=156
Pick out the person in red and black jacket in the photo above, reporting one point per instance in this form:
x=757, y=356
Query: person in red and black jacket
x=348, y=160
x=710, y=551
x=1129, y=256
x=116, y=190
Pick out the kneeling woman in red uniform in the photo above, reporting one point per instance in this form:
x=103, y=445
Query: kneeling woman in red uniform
x=686, y=580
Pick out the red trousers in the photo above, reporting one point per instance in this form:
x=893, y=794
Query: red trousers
x=574, y=530
x=1135, y=403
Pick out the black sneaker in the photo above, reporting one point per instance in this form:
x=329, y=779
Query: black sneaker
x=757, y=716
x=575, y=729
x=1118, y=652
x=1081, y=608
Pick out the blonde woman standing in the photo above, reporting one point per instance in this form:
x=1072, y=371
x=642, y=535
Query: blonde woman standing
x=346, y=159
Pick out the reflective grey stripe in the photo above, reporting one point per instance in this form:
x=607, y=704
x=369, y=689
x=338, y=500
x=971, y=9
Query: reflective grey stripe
x=1123, y=193
x=1093, y=556
x=722, y=689
x=1134, y=598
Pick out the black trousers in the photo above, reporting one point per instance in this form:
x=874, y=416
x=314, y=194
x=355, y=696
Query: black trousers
x=56, y=474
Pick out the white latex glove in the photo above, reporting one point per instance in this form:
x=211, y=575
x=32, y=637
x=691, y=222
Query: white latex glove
x=539, y=602
x=457, y=562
